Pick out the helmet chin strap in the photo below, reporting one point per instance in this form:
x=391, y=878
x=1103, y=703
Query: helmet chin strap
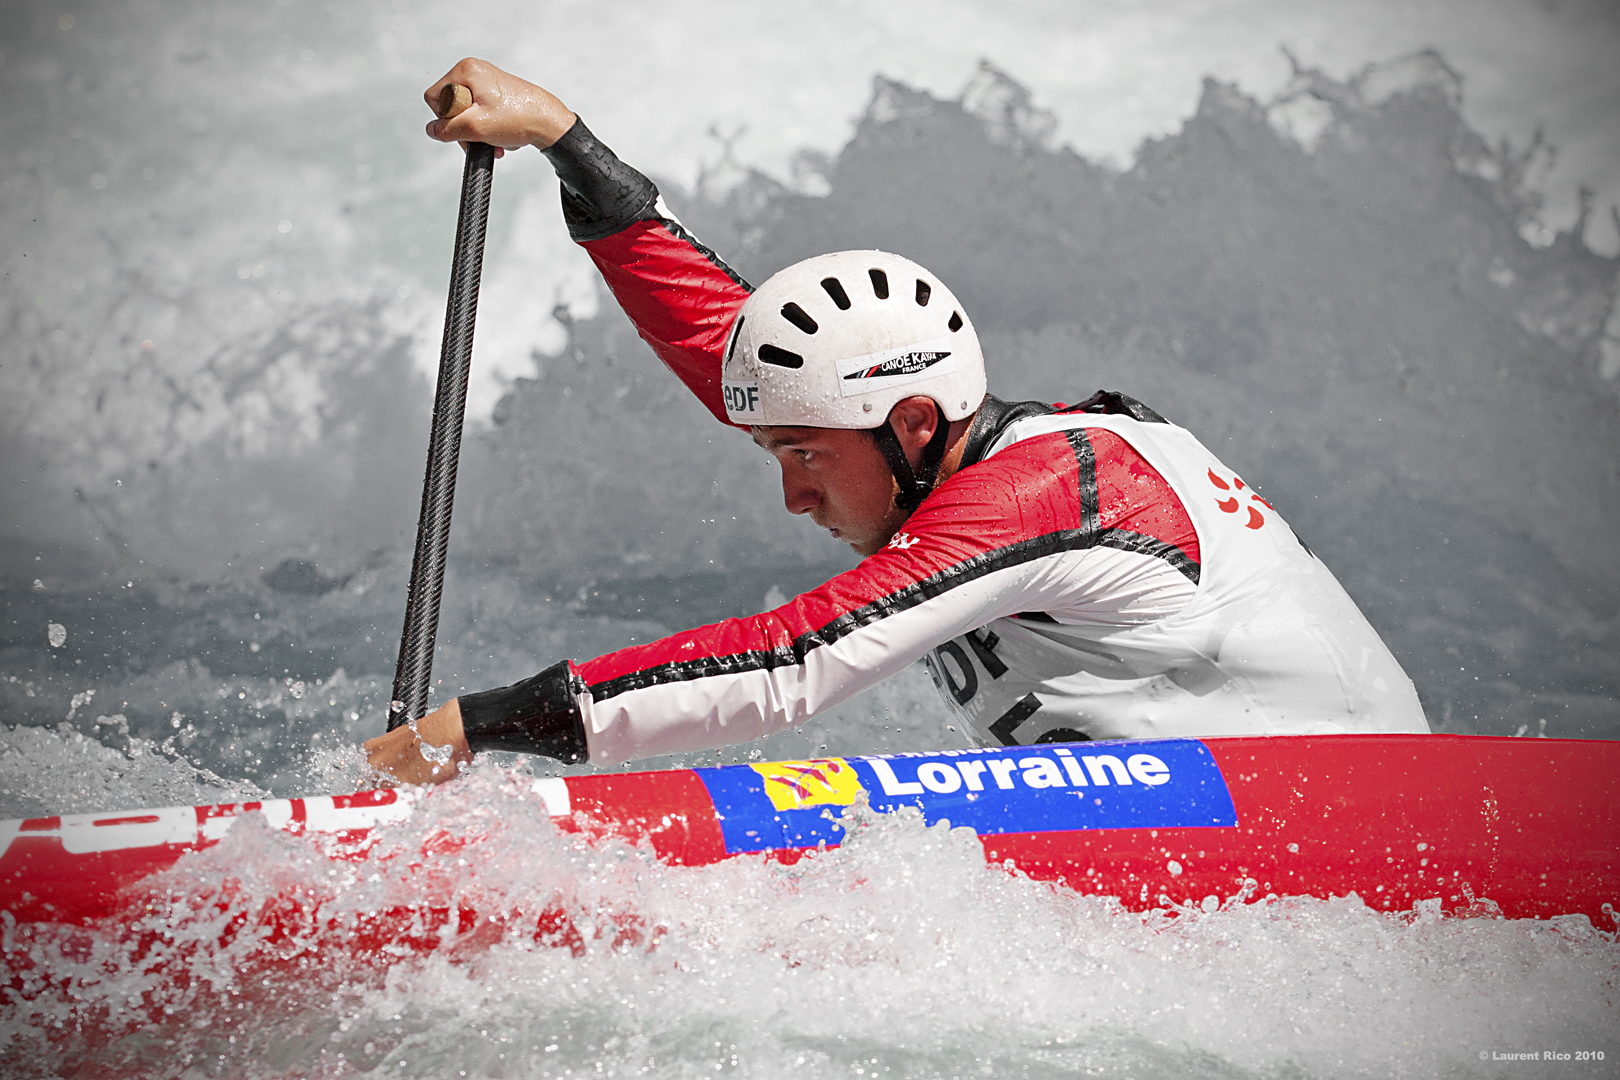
x=915, y=486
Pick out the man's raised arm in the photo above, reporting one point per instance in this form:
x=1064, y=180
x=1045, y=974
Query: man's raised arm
x=681, y=296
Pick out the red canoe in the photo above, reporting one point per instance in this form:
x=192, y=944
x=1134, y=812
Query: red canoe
x=1527, y=828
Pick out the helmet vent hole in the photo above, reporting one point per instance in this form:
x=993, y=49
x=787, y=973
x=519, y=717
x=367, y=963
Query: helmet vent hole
x=736, y=336
x=956, y=321
x=923, y=293
x=796, y=315
x=770, y=354
x=835, y=289
x=880, y=283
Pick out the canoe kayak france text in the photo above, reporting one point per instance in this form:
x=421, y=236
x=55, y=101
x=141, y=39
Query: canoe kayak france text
x=1542, y=1055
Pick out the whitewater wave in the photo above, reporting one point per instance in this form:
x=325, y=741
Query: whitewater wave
x=475, y=938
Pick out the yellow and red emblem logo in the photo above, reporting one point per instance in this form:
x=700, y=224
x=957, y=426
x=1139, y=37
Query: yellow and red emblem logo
x=793, y=785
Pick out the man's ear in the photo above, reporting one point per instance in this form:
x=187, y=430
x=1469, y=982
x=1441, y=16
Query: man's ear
x=914, y=420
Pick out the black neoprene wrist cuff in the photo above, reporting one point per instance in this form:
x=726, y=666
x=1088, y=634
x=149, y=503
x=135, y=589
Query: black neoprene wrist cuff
x=536, y=716
x=601, y=195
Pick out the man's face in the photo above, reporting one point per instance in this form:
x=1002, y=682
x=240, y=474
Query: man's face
x=840, y=479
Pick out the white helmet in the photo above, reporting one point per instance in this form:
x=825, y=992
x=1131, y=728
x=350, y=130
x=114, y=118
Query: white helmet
x=835, y=341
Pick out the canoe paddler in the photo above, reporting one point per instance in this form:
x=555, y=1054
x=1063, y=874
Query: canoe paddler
x=1066, y=572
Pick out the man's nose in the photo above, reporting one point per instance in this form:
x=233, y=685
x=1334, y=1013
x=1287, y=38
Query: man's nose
x=798, y=494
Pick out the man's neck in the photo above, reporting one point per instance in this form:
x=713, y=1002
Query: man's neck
x=957, y=443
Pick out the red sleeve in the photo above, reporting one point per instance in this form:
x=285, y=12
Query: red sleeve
x=680, y=295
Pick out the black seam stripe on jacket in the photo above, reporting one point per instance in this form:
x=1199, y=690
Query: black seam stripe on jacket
x=1086, y=458
x=1125, y=540
x=917, y=592
x=1119, y=539
x=701, y=668
x=680, y=232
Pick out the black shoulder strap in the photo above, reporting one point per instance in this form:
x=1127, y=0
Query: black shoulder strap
x=994, y=417
x=1112, y=401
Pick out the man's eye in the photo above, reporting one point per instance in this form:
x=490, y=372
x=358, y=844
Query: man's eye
x=805, y=455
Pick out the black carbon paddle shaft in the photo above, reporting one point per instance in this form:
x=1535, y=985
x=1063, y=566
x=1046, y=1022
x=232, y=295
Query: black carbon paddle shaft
x=414, y=673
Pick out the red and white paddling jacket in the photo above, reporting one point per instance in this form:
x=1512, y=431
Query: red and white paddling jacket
x=1091, y=572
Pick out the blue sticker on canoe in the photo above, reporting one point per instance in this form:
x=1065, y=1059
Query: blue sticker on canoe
x=1162, y=784
x=782, y=804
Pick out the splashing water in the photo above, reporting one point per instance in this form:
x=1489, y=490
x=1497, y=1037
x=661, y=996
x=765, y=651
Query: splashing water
x=899, y=954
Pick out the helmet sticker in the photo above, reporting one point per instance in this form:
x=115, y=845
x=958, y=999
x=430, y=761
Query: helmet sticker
x=742, y=400
x=905, y=364
x=893, y=367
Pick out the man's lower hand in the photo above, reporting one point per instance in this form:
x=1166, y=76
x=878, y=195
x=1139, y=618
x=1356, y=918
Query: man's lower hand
x=429, y=752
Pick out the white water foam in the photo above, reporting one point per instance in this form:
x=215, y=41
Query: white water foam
x=899, y=954
x=53, y=771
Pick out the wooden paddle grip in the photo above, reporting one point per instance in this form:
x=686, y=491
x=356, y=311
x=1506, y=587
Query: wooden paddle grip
x=454, y=99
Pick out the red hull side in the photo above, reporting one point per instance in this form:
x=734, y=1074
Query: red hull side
x=1528, y=826
x=1533, y=826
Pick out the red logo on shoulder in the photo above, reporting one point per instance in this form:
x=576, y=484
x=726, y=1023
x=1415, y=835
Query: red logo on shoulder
x=1232, y=503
